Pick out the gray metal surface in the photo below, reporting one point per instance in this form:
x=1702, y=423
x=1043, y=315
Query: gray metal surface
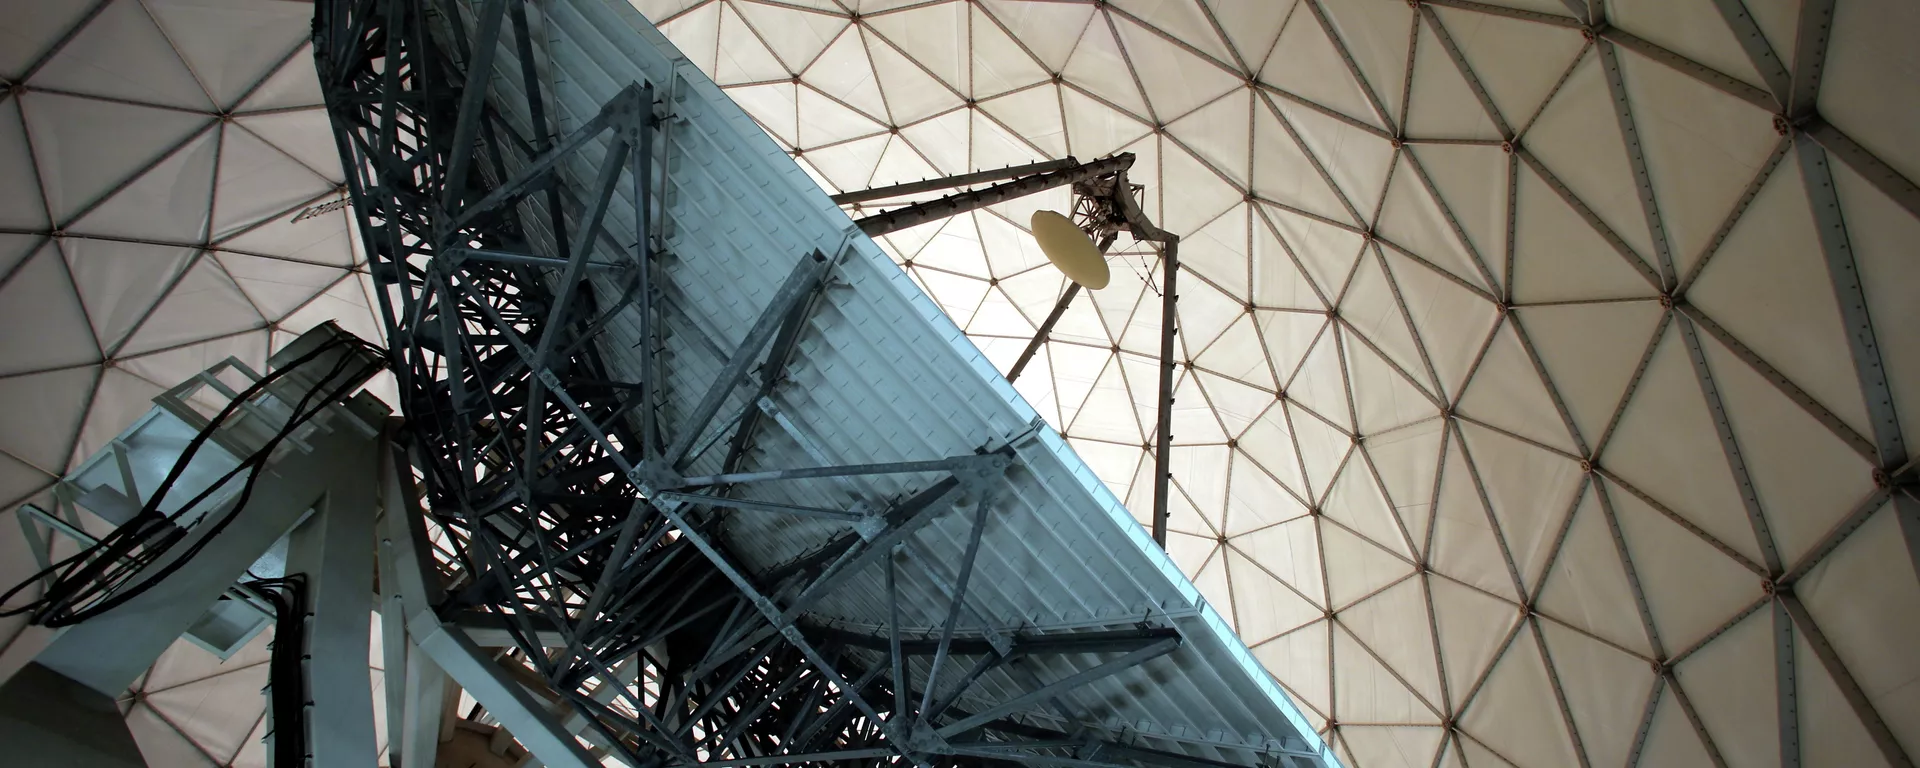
x=881, y=375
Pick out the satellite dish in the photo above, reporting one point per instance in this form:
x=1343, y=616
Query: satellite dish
x=1070, y=250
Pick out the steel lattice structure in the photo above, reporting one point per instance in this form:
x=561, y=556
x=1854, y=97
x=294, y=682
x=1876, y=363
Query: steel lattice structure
x=576, y=533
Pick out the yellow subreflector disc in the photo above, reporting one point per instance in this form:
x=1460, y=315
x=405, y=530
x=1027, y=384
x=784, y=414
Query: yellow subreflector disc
x=1070, y=250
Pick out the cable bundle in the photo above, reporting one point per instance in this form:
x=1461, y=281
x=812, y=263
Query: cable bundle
x=285, y=676
x=95, y=579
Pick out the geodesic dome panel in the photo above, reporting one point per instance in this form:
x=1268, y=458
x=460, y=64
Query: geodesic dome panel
x=170, y=196
x=1539, y=391
x=1495, y=457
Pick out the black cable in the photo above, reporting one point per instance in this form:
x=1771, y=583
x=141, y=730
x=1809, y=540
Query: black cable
x=256, y=461
x=90, y=581
x=286, y=678
x=109, y=563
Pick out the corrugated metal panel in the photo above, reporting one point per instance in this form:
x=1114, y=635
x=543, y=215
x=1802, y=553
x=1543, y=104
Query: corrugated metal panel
x=882, y=375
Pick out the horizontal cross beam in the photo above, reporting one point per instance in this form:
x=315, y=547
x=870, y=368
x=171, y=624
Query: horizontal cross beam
x=954, y=205
x=1077, y=642
x=949, y=182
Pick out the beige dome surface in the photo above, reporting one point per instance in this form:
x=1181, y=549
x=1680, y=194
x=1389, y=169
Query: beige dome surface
x=1490, y=451
x=166, y=170
x=1540, y=402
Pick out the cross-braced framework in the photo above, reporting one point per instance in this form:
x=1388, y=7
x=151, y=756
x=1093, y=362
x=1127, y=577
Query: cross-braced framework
x=1540, y=361
x=590, y=510
x=1105, y=205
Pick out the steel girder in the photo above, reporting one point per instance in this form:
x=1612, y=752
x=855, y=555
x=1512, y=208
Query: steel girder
x=569, y=529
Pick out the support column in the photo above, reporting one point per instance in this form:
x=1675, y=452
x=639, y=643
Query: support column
x=333, y=552
x=1163, y=437
x=517, y=710
x=437, y=645
x=415, y=713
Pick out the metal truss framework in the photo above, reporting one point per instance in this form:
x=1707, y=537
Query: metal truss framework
x=1105, y=204
x=1104, y=207
x=577, y=536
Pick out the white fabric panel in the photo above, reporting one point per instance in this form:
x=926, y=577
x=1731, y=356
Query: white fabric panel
x=1363, y=428
x=146, y=240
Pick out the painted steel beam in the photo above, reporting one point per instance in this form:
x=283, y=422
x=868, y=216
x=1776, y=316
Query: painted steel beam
x=450, y=649
x=1814, y=26
x=801, y=758
x=779, y=356
x=845, y=515
x=1163, y=402
x=533, y=174
x=1875, y=391
x=1754, y=43
x=1730, y=447
x=953, y=205
x=1128, y=661
x=1850, y=690
x=1637, y=160
x=768, y=609
x=1453, y=225
x=801, y=283
x=949, y=182
x=1144, y=229
x=510, y=704
x=981, y=508
x=1332, y=31
x=1103, y=641
x=1699, y=319
x=1693, y=720
x=1511, y=13
x=568, y=288
x=414, y=725
x=473, y=94
x=630, y=527
x=1648, y=711
x=509, y=257
x=808, y=473
x=1786, y=684
x=537, y=108
x=1606, y=233
x=1045, y=331
x=1890, y=449
x=1858, y=516
x=1706, y=75
x=1734, y=216
x=331, y=550
x=845, y=556
x=1863, y=161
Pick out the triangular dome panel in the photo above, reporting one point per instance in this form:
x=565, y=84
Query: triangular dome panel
x=1531, y=735
x=120, y=282
x=40, y=295
x=122, y=54
x=205, y=303
x=231, y=45
x=170, y=202
x=84, y=148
